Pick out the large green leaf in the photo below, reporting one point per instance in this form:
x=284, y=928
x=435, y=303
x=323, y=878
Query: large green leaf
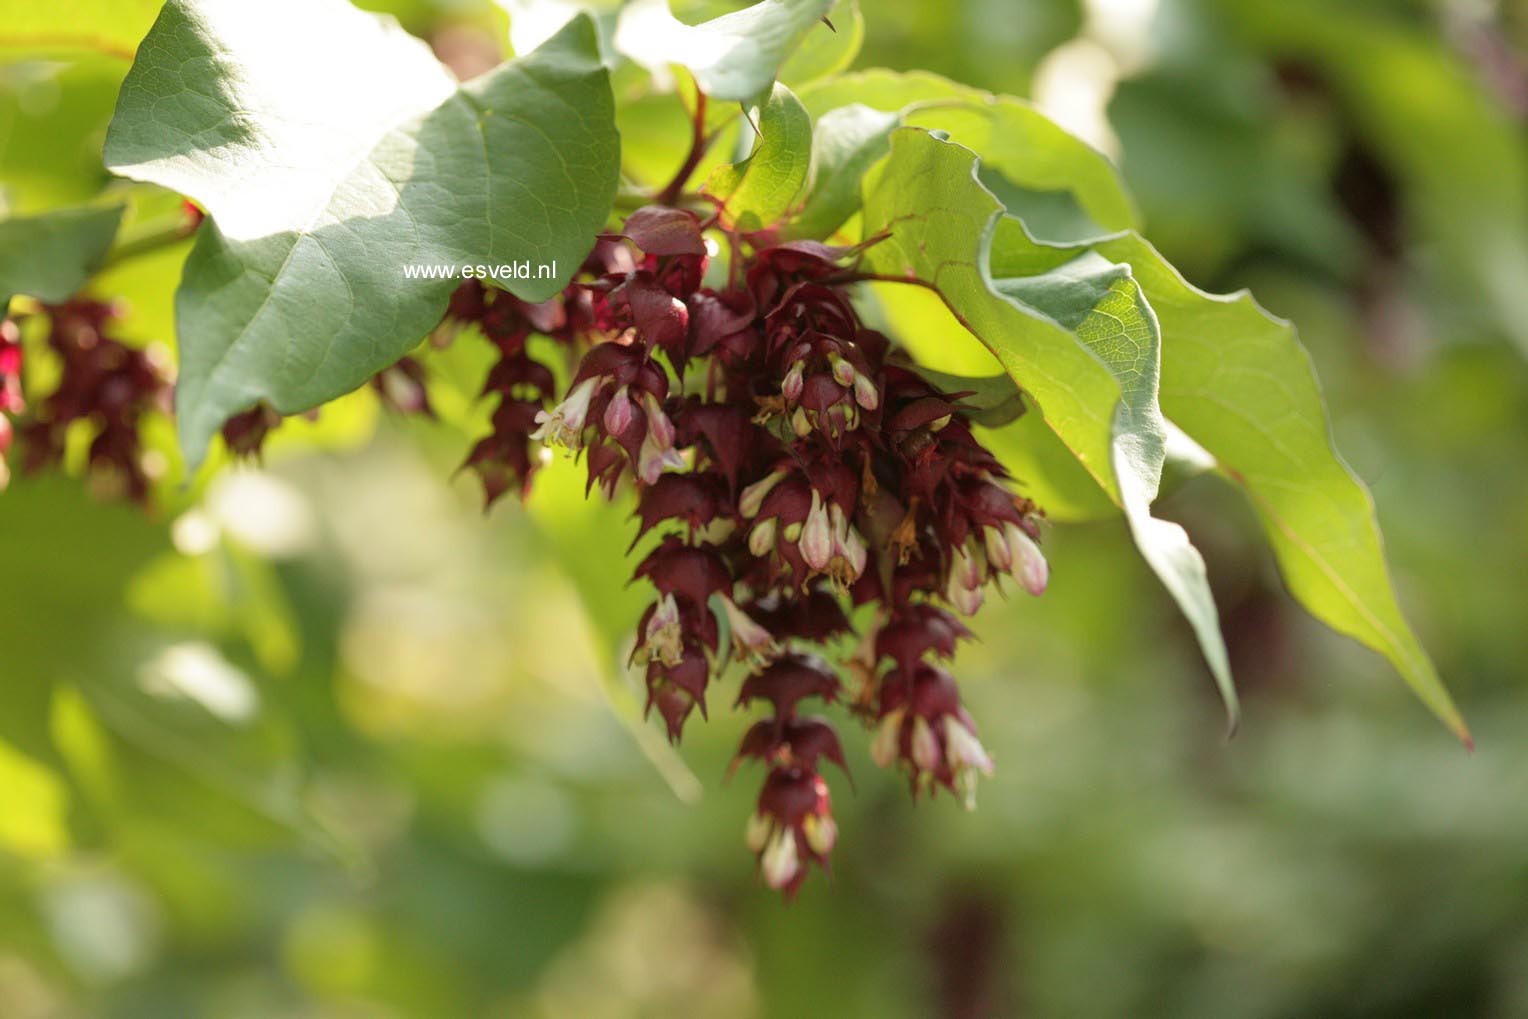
x=733, y=57
x=760, y=190
x=328, y=170
x=57, y=27
x=1040, y=308
x=52, y=255
x=1237, y=386
x=1238, y=382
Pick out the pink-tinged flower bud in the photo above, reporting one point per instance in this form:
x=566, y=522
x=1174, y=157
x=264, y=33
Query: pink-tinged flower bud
x=801, y=424
x=753, y=496
x=925, y=745
x=849, y=552
x=817, y=535
x=794, y=382
x=564, y=424
x=887, y=744
x=761, y=540
x=652, y=459
x=756, y=834
x=781, y=863
x=752, y=641
x=821, y=833
x=966, y=568
x=967, y=600
x=967, y=758
x=620, y=413
x=843, y=371
x=1029, y=566
x=664, y=639
x=659, y=428
x=865, y=393
x=998, y=552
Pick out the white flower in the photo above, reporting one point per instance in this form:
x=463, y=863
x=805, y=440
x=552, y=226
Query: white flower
x=664, y=638
x=564, y=424
x=865, y=393
x=653, y=458
x=781, y=862
x=817, y=535
x=925, y=745
x=751, y=640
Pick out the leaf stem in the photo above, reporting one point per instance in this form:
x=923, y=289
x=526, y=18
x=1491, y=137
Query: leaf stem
x=151, y=240
x=699, y=143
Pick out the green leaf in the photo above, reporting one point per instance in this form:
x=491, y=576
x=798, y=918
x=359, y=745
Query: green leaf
x=826, y=52
x=60, y=27
x=52, y=255
x=846, y=143
x=1066, y=190
x=734, y=57
x=1238, y=382
x=761, y=189
x=327, y=170
x=1075, y=332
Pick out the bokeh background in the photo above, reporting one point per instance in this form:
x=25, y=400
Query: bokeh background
x=324, y=741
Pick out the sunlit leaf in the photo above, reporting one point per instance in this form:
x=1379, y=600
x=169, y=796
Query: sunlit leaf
x=327, y=171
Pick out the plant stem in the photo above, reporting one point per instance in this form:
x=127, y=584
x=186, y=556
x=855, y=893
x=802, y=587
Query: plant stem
x=699, y=142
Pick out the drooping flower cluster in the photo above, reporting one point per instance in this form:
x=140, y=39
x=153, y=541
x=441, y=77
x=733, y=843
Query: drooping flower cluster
x=101, y=381
x=793, y=473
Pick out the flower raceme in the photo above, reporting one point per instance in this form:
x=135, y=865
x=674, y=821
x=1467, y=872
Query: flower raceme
x=793, y=473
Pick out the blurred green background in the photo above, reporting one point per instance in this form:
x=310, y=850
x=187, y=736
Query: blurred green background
x=322, y=740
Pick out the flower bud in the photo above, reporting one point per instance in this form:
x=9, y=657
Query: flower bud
x=753, y=496
x=1028, y=566
x=794, y=382
x=865, y=393
x=843, y=371
x=659, y=428
x=821, y=833
x=620, y=413
x=756, y=834
x=761, y=540
x=801, y=424
x=887, y=744
x=925, y=745
x=781, y=862
x=817, y=535
x=998, y=552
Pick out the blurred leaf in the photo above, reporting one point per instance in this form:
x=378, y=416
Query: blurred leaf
x=734, y=57
x=50, y=256
x=761, y=189
x=60, y=27
x=33, y=823
x=589, y=534
x=826, y=52
x=53, y=119
x=318, y=197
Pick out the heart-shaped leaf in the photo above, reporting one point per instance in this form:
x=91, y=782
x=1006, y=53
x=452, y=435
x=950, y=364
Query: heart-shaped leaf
x=327, y=171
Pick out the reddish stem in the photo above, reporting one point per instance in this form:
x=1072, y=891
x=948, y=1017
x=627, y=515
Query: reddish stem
x=699, y=142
